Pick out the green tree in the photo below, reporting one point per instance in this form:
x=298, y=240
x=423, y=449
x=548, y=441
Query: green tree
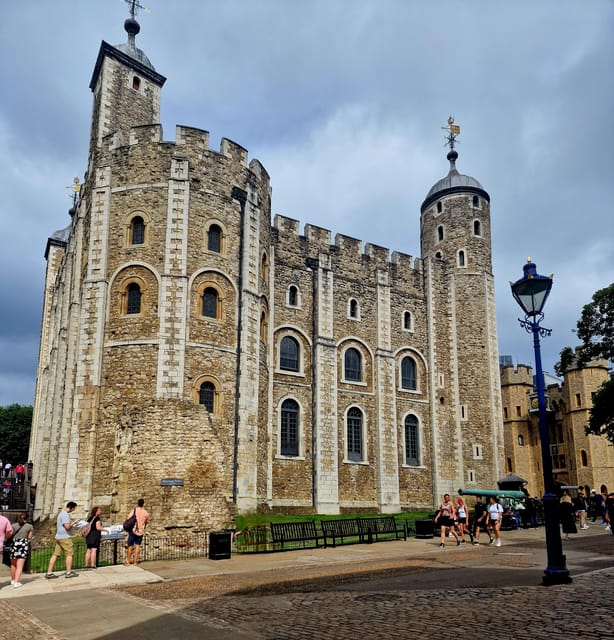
x=595, y=328
x=15, y=426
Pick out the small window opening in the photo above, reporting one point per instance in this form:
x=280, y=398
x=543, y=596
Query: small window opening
x=136, y=83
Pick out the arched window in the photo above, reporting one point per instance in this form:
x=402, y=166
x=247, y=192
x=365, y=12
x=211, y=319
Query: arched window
x=477, y=228
x=408, y=321
x=210, y=303
x=289, y=354
x=439, y=255
x=439, y=233
x=264, y=326
x=461, y=258
x=412, y=442
x=408, y=374
x=520, y=440
x=352, y=365
x=476, y=201
x=133, y=304
x=584, y=458
x=206, y=395
x=136, y=83
x=264, y=268
x=137, y=230
x=439, y=207
x=293, y=296
x=354, y=435
x=289, y=428
x=214, y=238
x=353, y=308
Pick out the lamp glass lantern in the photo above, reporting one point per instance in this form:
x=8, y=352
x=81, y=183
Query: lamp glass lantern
x=532, y=290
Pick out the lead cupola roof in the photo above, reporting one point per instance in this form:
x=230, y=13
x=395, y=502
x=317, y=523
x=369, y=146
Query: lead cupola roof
x=454, y=182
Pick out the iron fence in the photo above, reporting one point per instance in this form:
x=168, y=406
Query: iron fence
x=113, y=551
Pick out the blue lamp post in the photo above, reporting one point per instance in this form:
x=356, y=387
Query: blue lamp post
x=531, y=292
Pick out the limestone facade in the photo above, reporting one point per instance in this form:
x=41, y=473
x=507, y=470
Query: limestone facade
x=187, y=335
x=577, y=459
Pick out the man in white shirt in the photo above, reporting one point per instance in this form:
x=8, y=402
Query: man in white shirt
x=63, y=542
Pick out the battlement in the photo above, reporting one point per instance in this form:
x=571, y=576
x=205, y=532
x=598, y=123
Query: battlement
x=347, y=250
x=522, y=374
x=191, y=144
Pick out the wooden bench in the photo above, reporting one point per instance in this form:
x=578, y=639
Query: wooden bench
x=302, y=531
x=383, y=526
x=339, y=530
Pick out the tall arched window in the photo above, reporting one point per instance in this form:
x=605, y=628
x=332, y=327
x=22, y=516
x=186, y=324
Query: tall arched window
x=352, y=365
x=584, y=458
x=293, y=296
x=206, y=395
x=133, y=304
x=461, y=258
x=477, y=228
x=289, y=428
x=210, y=303
x=412, y=442
x=354, y=435
x=214, y=238
x=137, y=230
x=520, y=440
x=439, y=233
x=289, y=354
x=264, y=268
x=264, y=326
x=408, y=374
x=353, y=308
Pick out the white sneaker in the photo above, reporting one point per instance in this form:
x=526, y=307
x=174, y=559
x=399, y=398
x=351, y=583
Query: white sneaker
x=17, y=585
x=498, y=543
x=12, y=582
x=584, y=527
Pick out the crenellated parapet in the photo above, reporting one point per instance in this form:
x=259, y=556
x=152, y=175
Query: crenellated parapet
x=347, y=255
x=521, y=374
x=145, y=148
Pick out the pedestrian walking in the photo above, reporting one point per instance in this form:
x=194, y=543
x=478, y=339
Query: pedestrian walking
x=445, y=519
x=495, y=513
x=23, y=532
x=63, y=541
x=462, y=517
x=480, y=520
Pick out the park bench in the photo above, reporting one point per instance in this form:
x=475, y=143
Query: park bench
x=339, y=530
x=302, y=531
x=382, y=527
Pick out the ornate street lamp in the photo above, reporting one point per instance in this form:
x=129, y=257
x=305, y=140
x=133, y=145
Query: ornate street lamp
x=531, y=292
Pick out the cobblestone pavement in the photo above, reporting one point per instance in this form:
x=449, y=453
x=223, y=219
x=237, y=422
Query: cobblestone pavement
x=402, y=597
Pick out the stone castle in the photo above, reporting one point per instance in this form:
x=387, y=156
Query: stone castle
x=212, y=360
x=578, y=459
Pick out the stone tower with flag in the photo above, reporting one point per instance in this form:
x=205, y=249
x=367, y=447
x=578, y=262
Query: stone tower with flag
x=213, y=360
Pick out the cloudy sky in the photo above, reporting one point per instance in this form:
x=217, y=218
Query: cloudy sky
x=343, y=102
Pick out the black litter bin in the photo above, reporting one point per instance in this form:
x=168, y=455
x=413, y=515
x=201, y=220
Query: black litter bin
x=219, y=545
x=425, y=528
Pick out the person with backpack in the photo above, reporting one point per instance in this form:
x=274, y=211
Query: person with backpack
x=93, y=533
x=135, y=535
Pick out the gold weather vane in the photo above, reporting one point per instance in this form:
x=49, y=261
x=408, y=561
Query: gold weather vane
x=453, y=130
x=76, y=189
x=135, y=5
